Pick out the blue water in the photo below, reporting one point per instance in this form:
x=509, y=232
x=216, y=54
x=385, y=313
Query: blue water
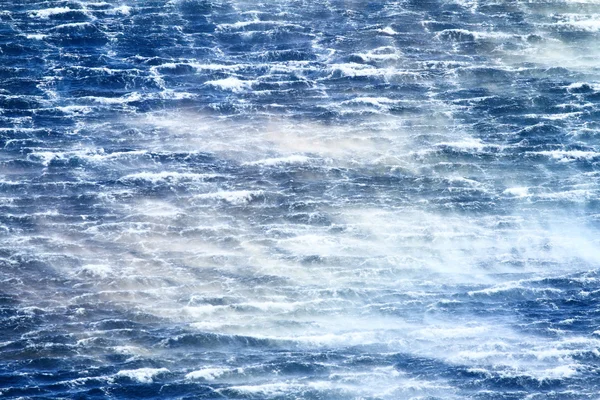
x=208, y=199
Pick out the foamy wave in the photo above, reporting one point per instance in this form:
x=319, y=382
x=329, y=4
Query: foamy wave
x=142, y=375
x=568, y=155
x=294, y=159
x=208, y=374
x=232, y=83
x=156, y=177
x=517, y=191
x=46, y=13
x=237, y=197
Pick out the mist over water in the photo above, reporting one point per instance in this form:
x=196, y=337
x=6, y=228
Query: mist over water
x=300, y=199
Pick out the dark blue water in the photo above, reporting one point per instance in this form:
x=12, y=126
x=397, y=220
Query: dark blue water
x=300, y=199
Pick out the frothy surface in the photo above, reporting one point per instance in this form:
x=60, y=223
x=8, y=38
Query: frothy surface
x=317, y=200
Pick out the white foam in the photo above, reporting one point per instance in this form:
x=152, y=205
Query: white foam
x=231, y=83
x=568, y=155
x=388, y=30
x=283, y=388
x=36, y=36
x=77, y=25
x=122, y=9
x=518, y=191
x=99, y=155
x=130, y=350
x=372, y=384
x=82, y=381
x=128, y=98
x=467, y=143
x=211, y=67
x=579, y=85
x=156, y=177
x=92, y=155
x=588, y=23
x=560, y=372
x=293, y=159
x=474, y=34
x=46, y=156
x=46, y=13
x=209, y=374
x=359, y=70
x=97, y=270
x=237, y=197
x=142, y=375
x=244, y=24
x=381, y=102
x=385, y=53
x=75, y=109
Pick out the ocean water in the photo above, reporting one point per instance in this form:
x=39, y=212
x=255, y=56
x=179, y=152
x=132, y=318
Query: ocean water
x=300, y=199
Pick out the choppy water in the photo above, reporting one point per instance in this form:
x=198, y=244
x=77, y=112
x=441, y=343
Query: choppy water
x=300, y=199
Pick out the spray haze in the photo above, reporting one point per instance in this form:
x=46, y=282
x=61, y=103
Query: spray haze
x=326, y=199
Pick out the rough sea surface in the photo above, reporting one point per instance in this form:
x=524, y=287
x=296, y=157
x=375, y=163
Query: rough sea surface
x=300, y=199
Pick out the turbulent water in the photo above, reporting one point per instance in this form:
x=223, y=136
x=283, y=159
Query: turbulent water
x=298, y=199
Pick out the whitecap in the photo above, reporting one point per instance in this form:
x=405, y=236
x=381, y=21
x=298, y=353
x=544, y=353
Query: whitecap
x=209, y=374
x=142, y=375
x=231, y=83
